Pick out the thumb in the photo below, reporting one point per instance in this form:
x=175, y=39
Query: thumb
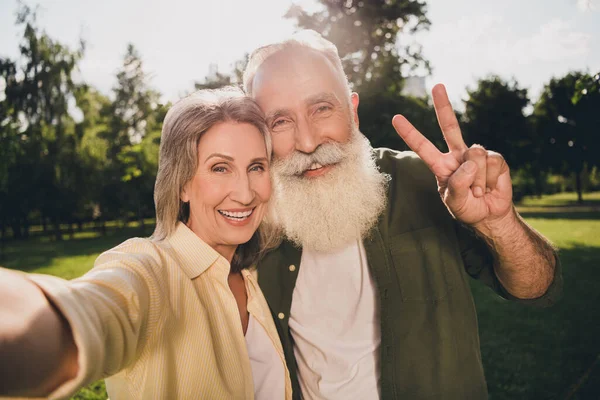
x=459, y=185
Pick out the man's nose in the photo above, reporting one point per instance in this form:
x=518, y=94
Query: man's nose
x=307, y=137
x=242, y=192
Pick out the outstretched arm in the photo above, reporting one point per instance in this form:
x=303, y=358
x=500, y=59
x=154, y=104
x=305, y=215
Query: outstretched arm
x=37, y=350
x=475, y=185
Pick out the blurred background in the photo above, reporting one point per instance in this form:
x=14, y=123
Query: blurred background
x=84, y=87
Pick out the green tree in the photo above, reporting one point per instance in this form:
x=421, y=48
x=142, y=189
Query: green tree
x=368, y=37
x=217, y=79
x=568, y=122
x=43, y=174
x=495, y=117
x=134, y=115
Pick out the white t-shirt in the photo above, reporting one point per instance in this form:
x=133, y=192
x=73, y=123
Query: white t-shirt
x=268, y=374
x=335, y=326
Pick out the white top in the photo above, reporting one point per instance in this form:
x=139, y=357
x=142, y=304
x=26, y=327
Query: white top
x=335, y=325
x=268, y=374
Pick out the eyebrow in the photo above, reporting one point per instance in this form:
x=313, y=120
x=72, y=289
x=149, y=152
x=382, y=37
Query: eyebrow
x=321, y=97
x=273, y=115
x=229, y=158
x=314, y=99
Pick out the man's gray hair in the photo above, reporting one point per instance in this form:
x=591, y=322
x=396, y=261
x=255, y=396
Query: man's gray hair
x=304, y=39
x=185, y=123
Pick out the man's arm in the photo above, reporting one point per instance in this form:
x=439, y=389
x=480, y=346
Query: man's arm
x=476, y=187
x=524, y=261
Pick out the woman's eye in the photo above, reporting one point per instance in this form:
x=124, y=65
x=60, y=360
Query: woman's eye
x=219, y=168
x=257, y=167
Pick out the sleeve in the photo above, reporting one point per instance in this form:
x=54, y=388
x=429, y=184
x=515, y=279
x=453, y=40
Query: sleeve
x=479, y=264
x=108, y=310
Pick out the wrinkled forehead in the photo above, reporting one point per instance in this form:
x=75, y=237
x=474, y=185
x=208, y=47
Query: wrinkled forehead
x=292, y=75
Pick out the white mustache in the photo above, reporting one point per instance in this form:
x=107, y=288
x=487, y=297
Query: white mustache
x=298, y=162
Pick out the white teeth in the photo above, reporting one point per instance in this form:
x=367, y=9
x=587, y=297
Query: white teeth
x=236, y=215
x=314, y=166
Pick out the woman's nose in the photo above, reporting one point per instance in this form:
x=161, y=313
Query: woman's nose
x=242, y=191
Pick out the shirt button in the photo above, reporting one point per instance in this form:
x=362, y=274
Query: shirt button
x=292, y=268
x=280, y=315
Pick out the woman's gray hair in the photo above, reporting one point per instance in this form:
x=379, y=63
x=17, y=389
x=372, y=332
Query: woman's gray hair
x=185, y=123
x=304, y=39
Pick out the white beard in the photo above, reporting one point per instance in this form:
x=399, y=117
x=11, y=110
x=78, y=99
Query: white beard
x=328, y=212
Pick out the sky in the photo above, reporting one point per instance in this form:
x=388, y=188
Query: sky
x=530, y=41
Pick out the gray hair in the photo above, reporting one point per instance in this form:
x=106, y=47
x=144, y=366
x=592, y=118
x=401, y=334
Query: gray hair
x=304, y=39
x=185, y=123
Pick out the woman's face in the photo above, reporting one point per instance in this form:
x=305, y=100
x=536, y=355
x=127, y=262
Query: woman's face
x=228, y=195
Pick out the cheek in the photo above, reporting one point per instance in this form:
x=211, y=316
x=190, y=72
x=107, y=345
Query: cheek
x=337, y=129
x=283, y=144
x=262, y=187
x=209, y=193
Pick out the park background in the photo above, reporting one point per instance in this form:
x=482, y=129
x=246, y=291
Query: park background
x=84, y=87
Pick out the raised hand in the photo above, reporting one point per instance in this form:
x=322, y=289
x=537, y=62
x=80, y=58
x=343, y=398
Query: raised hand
x=473, y=182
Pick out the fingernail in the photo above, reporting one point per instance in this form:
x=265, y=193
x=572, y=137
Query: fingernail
x=478, y=192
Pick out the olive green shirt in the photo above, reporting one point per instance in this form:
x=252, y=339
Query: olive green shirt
x=420, y=259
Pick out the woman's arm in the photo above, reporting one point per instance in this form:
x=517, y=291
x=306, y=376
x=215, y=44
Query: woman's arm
x=37, y=350
x=111, y=311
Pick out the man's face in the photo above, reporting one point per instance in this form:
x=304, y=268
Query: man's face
x=305, y=103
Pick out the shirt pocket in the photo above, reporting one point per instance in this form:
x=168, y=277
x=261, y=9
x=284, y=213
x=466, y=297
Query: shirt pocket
x=419, y=259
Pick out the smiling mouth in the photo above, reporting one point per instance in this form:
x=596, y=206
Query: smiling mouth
x=236, y=216
x=315, y=166
x=316, y=170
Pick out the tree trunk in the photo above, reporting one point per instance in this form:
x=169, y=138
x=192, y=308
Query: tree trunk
x=16, y=228
x=57, y=233
x=579, y=187
x=26, y=228
x=44, y=225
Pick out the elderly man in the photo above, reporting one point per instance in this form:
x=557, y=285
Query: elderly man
x=369, y=286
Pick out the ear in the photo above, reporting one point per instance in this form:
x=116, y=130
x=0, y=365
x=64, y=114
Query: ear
x=185, y=197
x=354, y=100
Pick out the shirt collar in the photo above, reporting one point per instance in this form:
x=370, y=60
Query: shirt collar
x=196, y=256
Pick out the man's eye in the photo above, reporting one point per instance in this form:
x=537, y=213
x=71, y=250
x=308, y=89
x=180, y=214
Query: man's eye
x=323, y=108
x=279, y=123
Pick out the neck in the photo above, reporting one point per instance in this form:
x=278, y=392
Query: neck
x=226, y=250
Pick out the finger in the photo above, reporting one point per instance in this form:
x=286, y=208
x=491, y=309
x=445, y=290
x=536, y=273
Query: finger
x=496, y=166
x=416, y=141
x=478, y=155
x=459, y=186
x=447, y=119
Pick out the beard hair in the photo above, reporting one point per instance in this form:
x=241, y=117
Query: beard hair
x=330, y=211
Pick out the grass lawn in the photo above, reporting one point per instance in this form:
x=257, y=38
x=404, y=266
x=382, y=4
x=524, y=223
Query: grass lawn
x=527, y=353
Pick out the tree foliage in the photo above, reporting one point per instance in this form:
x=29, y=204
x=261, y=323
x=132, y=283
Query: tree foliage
x=567, y=121
x=368, y=35
x=55, y=168
x=494, y=117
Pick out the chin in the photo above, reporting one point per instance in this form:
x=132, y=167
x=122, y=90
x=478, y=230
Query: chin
x=240, y=238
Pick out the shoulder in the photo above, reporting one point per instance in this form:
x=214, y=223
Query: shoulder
x=141, y=257
x=134, y=250
x=406, y=170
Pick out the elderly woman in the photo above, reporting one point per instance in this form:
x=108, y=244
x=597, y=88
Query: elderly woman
x=175, y=316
